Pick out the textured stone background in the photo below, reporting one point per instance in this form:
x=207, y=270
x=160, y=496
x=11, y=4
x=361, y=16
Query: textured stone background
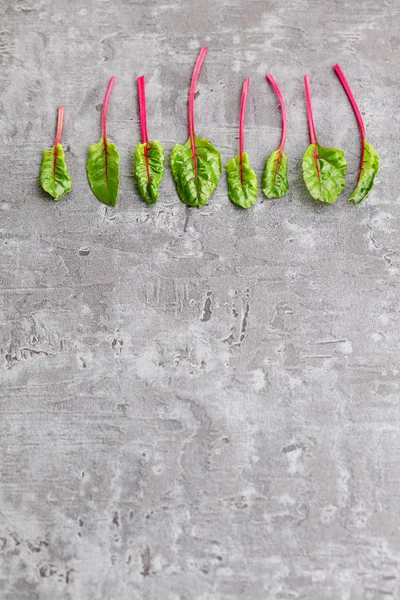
x=198, y=404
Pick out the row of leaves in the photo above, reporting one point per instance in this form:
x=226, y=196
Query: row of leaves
x=197, y=166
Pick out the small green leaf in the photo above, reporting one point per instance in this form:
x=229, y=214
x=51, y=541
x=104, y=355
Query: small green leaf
x=195, y=188
x=370, y=167
x=103, y=169
x=323, y=171
x=242, y=181
x=54, y=177
x=275, y=180
x=149, y=169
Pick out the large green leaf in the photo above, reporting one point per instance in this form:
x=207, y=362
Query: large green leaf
x=149, y=169
x=54, y=177
x=323, y=171
x=370, y=167
x=242, y=181
x=196, y=179
x=275, y=180
x=103, y=169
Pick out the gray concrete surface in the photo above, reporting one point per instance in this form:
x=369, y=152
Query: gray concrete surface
x=198, y=404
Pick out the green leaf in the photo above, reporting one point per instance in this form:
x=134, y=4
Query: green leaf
x=275, y=180
x=103, y=169
x=370, y=167
x=196, y=190
x=149, y=170
x=323, y=171
x=242, y=186
x=54, y=177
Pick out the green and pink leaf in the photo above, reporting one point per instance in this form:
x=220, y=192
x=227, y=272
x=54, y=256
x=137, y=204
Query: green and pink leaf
x=275, y=180
x=242, y=180
x=54, y=177
x=103, y=163
x=369, y=163
x=324, y=169
x=149, y=156
x=196, y=166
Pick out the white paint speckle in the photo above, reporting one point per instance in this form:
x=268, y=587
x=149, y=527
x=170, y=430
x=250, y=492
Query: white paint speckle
x=258, y=380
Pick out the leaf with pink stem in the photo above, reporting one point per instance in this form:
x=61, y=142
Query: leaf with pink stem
x=54, y=177
x=275, y=180
x=196, y=166
x=103, y=163
x=242, y=181
x=324, y=169
x=149, y=156
x=369, y=163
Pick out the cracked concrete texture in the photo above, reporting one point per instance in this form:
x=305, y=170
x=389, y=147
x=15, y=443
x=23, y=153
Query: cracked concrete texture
x=198, y=404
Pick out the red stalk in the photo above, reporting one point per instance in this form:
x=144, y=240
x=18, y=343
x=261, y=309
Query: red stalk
x=192, y=92
x=311, y=125
x=59, y=125
x=143, y=121
x=278, y=92
x=357, y=112
x=104, y=110
x=60, y=122
x=245, y=91
x=142, y=109
x=104, y=121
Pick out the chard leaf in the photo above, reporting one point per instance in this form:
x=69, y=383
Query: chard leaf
x=275, y=180
x=149, y=169
x=369, y=168
x=369, y=164
x=54, y=177
x=323, y=172
x=197, y=165
x=103, y=170
x=196, y=172
x=242, y=181
x=103, y=162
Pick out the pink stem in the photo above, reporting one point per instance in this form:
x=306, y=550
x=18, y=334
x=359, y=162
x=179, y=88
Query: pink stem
x=143, y=122
x=349, y=93
x=59, y=125
x=245, y=91
x=104, y=123
x=142, y=109
x=311, y=125
x=192, y=92
x=60, y=121
x=357, y=112
x=278, y=92
x=104, y=110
